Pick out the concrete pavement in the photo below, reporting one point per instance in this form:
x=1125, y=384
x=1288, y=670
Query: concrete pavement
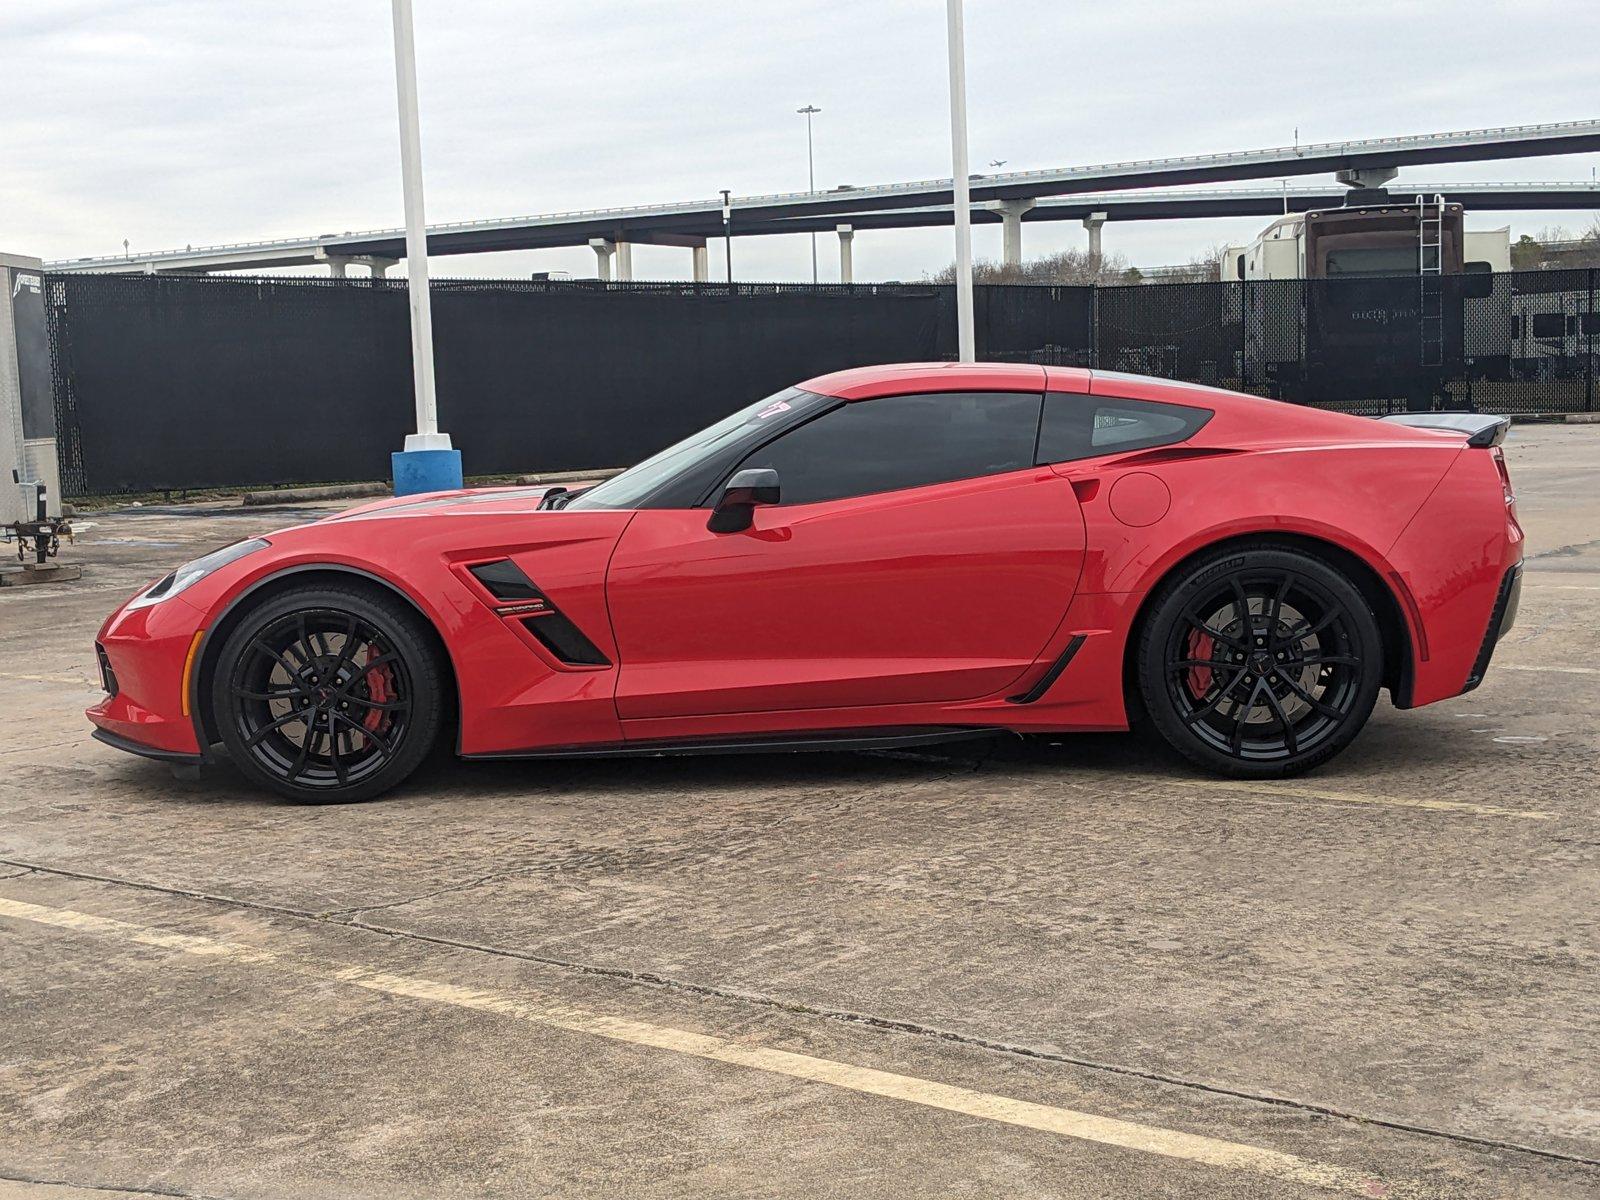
x=1048, y=968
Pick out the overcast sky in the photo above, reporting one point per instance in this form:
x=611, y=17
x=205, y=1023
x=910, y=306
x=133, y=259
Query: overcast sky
x=206, y=121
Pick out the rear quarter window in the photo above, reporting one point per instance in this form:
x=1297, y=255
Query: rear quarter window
x=1076, y=426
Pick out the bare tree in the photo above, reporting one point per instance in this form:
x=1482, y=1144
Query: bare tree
x=1067, y=267
x=1557, y=248
x=1205, y=267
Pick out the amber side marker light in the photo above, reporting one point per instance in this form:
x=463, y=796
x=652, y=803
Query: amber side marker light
x=188, y=667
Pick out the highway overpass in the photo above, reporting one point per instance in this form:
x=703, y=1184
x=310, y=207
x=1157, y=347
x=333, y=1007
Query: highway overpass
x=1068, y=193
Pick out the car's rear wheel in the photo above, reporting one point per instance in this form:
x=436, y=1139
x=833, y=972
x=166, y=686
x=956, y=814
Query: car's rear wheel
x=327, y=694
x=1260, y=662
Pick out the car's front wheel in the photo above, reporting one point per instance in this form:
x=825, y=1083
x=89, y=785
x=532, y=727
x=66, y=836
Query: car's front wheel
x=1260, y=662
x=328, y=694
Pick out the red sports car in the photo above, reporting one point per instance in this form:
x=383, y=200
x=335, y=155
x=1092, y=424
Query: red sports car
x=878, y=557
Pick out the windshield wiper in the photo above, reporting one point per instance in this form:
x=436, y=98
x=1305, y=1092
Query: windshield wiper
x=560, y=497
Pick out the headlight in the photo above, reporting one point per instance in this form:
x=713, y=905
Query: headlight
x=192, y=573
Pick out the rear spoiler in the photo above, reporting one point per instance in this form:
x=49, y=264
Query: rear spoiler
x=1481, y=429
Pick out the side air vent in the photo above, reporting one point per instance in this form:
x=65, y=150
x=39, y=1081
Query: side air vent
x=520, y=597
x=565, y=640
x=108, y=677
x=506, y=581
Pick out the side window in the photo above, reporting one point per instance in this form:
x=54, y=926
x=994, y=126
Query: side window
x=1549, y=325
x=898, y=442
x=1078, y=426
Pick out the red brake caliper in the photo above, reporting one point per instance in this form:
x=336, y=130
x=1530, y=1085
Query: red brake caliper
x=1199, y=678
x=380, y=690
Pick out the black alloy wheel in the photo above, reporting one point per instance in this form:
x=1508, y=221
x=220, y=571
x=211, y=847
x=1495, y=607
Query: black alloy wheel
x=328, y=695
x=1260, y=662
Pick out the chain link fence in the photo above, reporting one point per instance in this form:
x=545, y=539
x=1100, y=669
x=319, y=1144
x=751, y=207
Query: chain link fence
x=182, y=382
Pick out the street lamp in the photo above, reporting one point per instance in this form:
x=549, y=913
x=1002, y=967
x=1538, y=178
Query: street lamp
x=808, y=112
x=965, y=342
x=727, y=232
x=428, y=463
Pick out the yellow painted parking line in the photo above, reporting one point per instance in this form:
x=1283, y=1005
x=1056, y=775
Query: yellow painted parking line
x=1556, y=670
x=1276, y=790
x=541, y=1010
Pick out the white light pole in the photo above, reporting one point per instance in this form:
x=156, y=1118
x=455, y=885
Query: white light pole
x=966, y=349
x=810, y=111
x=428, y=462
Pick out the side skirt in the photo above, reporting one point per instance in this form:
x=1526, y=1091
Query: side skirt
x=811, y=742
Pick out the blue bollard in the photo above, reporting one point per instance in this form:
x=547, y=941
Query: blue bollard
x=425, y=471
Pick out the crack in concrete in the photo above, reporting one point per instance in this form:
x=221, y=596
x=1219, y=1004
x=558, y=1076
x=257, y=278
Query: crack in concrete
x=17, y=875
x=154, y=1189
x=333, y=915
x=1571, y=550
x=844, y=1016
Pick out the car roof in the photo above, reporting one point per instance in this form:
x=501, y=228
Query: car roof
x=1243, y=418
x=891, y=379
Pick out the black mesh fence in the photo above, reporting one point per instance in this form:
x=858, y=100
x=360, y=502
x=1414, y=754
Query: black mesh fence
x=168, y=382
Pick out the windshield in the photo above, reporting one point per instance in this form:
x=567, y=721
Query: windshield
x=635, y=485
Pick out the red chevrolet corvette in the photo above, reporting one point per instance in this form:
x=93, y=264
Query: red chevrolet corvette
x=883, y=556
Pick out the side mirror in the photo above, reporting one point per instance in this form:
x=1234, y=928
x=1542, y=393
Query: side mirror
x=1476, y=281
x=735, y=510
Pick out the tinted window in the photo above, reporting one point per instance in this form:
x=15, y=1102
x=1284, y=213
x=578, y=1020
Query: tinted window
x=1077, y=426
x=644, y=484
x=902, y=442
x=1549, y=325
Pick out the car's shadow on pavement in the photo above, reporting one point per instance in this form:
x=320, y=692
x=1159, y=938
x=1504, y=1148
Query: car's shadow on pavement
x=983, y=763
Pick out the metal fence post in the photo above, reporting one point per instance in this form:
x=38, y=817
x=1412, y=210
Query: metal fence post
x=1588, y=375
x=1094, y=325
x=1244, y=335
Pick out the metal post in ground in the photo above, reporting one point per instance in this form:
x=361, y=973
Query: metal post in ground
x=808, y=112
x=966, y=348
x=428, y=463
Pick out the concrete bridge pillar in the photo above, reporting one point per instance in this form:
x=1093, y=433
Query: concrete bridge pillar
x=702, y=262
x=603, y=249
x=1011, y=229
x=1093, y=223
x=379, y=267
x=847, y=235
x=624, y=261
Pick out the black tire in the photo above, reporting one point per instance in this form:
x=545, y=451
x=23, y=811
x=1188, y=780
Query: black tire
x=328, y=694
x=1259, y=662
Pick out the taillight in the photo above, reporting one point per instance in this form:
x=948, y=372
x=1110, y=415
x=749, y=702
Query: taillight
x=1505, y=480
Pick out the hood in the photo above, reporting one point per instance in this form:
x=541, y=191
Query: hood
x=485, y=500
